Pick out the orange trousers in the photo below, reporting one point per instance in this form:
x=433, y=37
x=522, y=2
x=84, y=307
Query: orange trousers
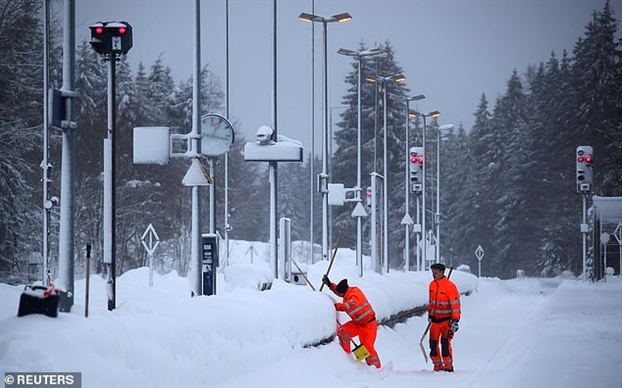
x=441, y=334
x=367, y=335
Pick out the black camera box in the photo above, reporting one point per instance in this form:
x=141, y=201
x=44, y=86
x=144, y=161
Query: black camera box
x=36, y=299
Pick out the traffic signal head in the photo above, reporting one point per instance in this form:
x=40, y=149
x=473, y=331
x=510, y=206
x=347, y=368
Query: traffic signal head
x=99, y=39
x=368, y=197
x=415, y=167
x=111, y=37
x=584, y=159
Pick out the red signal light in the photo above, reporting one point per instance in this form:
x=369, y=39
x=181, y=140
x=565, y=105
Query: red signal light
x=588, y=159
x=99, y=30
x=580, y=159
x=420, y=160
x=413, y=159
x=122, y=30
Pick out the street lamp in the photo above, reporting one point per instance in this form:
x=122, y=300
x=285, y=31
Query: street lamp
x=407, y=219
x=323, y=177
x=382, y=80
x=359, y=229
x=434, y=113
x=437, y=219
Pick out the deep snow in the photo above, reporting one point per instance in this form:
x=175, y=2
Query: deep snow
x=514, y=333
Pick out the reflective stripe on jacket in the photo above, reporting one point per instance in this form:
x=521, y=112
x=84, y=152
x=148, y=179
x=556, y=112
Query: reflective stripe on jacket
x=356, y=305
x=444, y=301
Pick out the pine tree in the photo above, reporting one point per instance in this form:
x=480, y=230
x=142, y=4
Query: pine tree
x=456, y=198
x=597, y=72
x=20, y=119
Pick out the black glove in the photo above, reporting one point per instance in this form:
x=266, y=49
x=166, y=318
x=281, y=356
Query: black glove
x=326, y=280
x=454, y=326
x=429, y=318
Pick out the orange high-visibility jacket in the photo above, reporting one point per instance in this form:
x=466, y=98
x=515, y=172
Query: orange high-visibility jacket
x=444, y=302
x=356, y=305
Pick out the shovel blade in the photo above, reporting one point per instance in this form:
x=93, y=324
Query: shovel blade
x=360, y=352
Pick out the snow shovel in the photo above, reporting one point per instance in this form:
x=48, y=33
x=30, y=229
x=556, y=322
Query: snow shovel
x=359, y=351
x=427, y=329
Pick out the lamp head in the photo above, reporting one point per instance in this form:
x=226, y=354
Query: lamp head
x=416, y=98
x=340, y=18
x=307, y=17
x=350, y=53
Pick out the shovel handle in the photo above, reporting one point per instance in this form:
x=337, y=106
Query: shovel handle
x=303, y=275
x=427, y=329
x=332, y=259
x=347, y=334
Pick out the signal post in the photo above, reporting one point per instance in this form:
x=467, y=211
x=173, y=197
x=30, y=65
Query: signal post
x=415, y=168
x=110, y=39
x=584, y=180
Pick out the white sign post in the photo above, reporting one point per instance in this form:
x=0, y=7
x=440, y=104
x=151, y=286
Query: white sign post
x=150, y=241
x=604, y=239
x=617, y=233
x=479, y=253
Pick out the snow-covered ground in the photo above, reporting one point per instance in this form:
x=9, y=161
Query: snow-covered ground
x=515, y=333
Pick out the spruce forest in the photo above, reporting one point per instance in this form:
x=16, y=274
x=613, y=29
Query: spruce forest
x=507, y=183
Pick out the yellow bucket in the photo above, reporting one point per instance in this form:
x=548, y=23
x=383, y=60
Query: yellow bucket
x=360, y=352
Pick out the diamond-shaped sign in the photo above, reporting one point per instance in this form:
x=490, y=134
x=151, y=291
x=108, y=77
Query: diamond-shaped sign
x=618, y=232
x=479, y=252
x=150, y=239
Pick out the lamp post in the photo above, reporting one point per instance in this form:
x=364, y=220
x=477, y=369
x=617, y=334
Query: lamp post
x=434, y=113
x=383, y=81
x=437, y=216
x=307, y=17
x=407, y=217
x=359, y=229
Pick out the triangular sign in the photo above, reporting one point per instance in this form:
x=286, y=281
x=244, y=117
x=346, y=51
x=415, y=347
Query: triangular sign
x=359, y=211
x=407, y=220
x=197, y=175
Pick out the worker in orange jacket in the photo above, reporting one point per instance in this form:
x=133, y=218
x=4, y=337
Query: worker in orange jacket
x=363, y=323
x=443, y=315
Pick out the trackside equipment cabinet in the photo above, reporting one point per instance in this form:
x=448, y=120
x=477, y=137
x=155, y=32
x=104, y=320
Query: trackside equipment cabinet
x=209, y=247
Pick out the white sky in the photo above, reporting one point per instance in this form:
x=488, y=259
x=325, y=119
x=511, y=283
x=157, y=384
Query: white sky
x=513, y=333
x=452, y=51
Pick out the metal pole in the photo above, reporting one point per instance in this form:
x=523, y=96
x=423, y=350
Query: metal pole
x=406, y=192
x=110, y=197
x=312, y=188
x=437, y=218
x=66, y=244
x=423, y=207
x=359, y=226
x=325, y=149
x=212, y=205
x=273, y=166
x=374, y=211
x=45, y=276
x=584, y=232
x=226, y=215
x=195, y=249
x=419, y=266
x=385, y=248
